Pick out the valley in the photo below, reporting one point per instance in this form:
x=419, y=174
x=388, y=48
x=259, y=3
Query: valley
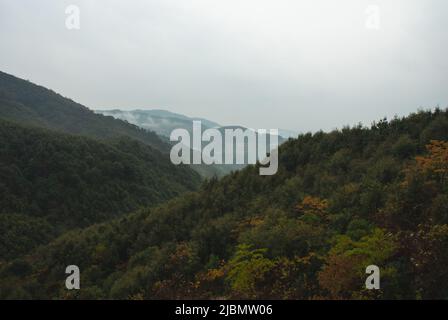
x=139, y=227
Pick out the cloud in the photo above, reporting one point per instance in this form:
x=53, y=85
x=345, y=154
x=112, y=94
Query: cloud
x=302, y=65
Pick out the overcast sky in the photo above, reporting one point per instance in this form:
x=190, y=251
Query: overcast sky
x=292, y=64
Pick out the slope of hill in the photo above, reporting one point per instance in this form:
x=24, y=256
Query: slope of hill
x=160, y=121
x=164, y=122
x=52, y=182
x=25, y=102
x=340, y=201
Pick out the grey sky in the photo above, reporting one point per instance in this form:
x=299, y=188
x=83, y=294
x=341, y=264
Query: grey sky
x=301, y=65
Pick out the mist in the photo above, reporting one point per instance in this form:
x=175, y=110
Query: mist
x=298, y=65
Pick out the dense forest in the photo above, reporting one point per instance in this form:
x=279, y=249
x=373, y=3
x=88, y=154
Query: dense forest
x=27, y=103
x=340, y=201
x=52, y=182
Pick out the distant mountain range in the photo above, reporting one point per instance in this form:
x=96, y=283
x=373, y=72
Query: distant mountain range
x=160, y=121
x=163, y=122
x=29, y=104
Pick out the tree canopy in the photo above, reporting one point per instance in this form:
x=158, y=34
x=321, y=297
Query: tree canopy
x=340, y=201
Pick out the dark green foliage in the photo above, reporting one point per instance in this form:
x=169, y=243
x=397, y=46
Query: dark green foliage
x=24, y=102
x=339, y=202
x=19, y=233
x=53, y=182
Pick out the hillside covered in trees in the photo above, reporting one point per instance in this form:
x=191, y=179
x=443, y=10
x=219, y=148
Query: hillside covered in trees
x=27, y=103
x=52, y=182
x=340, y=201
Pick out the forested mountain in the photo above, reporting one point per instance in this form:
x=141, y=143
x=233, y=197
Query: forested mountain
x=52, y=182
x=340, y=201
x=164, y=122
x=160, y=121
x=25, y=102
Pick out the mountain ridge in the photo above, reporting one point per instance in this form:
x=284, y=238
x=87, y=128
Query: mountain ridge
x=145, y=118
x=25, y=102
